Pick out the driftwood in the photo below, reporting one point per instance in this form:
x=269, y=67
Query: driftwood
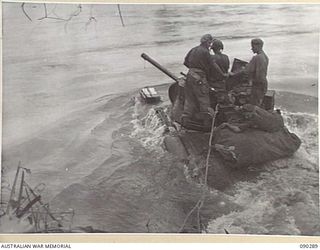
x=47, y=15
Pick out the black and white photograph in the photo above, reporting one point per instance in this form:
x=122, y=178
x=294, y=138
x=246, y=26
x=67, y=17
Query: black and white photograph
x=160, y=118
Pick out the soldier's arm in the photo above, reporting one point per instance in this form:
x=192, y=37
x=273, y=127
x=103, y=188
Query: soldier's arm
x=186, y=60
x=228, y=62
x=250, y=69
x=259, y=69
x=251, y=66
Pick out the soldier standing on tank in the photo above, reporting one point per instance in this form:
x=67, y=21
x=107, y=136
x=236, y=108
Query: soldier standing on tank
x=256, y=70
x=216, y=80
x=197, y=100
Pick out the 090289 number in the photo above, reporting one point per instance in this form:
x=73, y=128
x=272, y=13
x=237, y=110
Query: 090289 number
x=309, y=246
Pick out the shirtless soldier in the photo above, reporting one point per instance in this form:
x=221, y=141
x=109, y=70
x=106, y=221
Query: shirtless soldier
x=257, y=72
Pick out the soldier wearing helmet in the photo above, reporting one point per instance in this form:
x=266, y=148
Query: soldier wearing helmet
x=199, y=62
x=222, y=60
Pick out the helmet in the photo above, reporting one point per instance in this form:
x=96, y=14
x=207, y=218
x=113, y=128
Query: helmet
x=257, y=41
x=217, y=45
x=206, y=38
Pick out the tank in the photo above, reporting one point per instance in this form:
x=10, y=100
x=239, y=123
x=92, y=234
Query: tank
x=240, y=134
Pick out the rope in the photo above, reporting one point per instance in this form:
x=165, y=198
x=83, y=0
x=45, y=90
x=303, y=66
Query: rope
x=200, y=202
x=209, y=144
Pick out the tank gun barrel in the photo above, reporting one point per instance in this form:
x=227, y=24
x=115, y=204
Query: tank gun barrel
x=160, y=67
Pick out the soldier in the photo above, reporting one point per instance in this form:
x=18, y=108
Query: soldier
x=199, y=62
x=257, y=72
x=222, y=60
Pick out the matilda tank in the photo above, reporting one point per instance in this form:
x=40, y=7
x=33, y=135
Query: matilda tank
x=239, y=136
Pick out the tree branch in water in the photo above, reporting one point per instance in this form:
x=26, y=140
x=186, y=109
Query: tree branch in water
x=24, y=11
x=120, y=15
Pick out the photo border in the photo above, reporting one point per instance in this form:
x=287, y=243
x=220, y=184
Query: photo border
x=144, y=237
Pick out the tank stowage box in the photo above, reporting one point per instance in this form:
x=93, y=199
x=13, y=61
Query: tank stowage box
x=268, y=100
x=238, y=65
x=149, y=95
